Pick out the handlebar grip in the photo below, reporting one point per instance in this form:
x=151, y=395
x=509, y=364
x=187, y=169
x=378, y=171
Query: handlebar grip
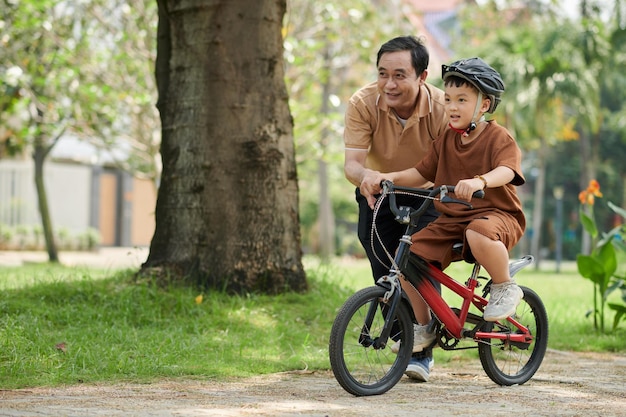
x=477, y=194
x=386, y=185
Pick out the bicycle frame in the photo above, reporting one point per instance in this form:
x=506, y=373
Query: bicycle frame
x=455, y=324
x=510, y=352
x=420, y=277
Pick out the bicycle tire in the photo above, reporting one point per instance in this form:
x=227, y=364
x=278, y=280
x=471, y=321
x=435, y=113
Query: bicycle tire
x=360, y=368
x=513, y=364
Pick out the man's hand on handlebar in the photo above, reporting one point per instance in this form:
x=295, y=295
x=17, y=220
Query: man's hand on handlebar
x=370, y=186
x=410, y=177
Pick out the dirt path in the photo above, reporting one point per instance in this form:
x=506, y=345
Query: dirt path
x=567, y=384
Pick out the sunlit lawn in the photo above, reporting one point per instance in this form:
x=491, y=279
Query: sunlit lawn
x=65, y=325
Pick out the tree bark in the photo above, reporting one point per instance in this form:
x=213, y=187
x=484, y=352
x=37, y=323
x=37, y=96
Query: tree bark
x=227, y=208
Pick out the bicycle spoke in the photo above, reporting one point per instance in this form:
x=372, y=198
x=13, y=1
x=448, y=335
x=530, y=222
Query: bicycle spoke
x=507, y=362
x=360, y=367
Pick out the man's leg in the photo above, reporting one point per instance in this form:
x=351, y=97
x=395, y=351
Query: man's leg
x=389, y=231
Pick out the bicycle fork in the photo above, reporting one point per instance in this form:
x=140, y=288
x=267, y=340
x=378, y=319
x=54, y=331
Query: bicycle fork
x=388, y=305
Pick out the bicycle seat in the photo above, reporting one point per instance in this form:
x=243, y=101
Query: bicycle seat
x=457, y=248
x=518, y=264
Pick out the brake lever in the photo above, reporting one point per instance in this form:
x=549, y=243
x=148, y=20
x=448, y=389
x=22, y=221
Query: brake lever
x=445, y=198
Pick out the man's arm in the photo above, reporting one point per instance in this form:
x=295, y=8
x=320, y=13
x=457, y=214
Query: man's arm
x=410, y=177
x=354, y=165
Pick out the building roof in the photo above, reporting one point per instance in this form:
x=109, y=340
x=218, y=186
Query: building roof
x=430, y=6
x=436, y=21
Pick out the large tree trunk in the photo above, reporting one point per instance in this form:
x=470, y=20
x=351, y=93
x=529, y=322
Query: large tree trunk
x=227, y=209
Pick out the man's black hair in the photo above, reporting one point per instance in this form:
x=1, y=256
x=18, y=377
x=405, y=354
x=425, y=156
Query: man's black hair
x=419, y=53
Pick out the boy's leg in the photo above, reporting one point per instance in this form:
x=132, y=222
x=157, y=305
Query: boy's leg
x=420, y=309
x=493, y=255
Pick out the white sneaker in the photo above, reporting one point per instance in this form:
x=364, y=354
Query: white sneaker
x=421, y=339
x=503, y=301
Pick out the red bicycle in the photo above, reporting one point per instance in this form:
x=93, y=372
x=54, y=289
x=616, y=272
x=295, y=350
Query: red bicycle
x=373, y=318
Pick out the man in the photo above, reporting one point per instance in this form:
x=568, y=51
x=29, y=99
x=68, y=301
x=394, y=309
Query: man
x=389, y=126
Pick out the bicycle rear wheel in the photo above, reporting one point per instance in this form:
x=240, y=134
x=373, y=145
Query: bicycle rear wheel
x=359, y=367
x=510, y=363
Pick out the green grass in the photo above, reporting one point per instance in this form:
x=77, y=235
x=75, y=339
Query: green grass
x=568, y=299
x=115, y=329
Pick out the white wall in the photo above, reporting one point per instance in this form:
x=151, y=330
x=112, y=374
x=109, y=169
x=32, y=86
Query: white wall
x=68, y=188
x=18, y=200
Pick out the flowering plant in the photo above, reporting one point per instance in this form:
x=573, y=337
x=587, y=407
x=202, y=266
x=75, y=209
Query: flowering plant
x=601, y=265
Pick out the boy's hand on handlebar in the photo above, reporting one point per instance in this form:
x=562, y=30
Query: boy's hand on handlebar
x=464, y=189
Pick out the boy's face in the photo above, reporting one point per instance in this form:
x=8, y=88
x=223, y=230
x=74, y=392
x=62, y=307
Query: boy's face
x=398, y=83
x=460, y=103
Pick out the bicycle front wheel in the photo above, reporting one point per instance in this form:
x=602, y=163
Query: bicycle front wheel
x=510, y=363
x=358, y=362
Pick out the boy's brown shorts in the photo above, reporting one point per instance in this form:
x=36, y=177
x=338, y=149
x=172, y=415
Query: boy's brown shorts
x=434, y=242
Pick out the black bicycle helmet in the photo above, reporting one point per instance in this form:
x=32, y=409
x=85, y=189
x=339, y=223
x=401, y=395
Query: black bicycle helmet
x=481, y=75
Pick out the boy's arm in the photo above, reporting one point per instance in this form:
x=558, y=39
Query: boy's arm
x=410, y=177
x=497, y=177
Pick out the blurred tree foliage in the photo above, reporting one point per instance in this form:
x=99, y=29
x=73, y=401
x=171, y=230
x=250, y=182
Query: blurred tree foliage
x=564, y=96
x=80, y=68
x=86, y=67
x=330, y=50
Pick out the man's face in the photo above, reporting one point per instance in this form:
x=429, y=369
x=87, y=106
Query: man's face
x=398, y=83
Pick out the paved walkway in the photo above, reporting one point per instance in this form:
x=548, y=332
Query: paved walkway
x=113, y=257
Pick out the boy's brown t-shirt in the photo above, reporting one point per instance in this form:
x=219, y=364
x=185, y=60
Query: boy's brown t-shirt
x=450, y=161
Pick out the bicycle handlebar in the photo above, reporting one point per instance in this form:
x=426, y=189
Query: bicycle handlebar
x=408, y=215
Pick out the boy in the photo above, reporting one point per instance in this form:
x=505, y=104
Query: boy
x=474, y=154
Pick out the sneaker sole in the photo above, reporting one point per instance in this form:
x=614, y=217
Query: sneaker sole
x=417, y=373
x=423, y=346
x=504, y=317
x=395, y=348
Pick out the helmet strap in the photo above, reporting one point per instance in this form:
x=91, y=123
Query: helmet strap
x=479, y=103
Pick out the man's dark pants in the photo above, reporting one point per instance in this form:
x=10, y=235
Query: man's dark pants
x=389, y=232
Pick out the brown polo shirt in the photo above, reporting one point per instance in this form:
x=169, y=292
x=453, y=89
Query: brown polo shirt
x=371, y=125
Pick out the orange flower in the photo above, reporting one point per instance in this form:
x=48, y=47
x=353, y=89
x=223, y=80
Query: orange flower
x=588, y=196
x=594, y=187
